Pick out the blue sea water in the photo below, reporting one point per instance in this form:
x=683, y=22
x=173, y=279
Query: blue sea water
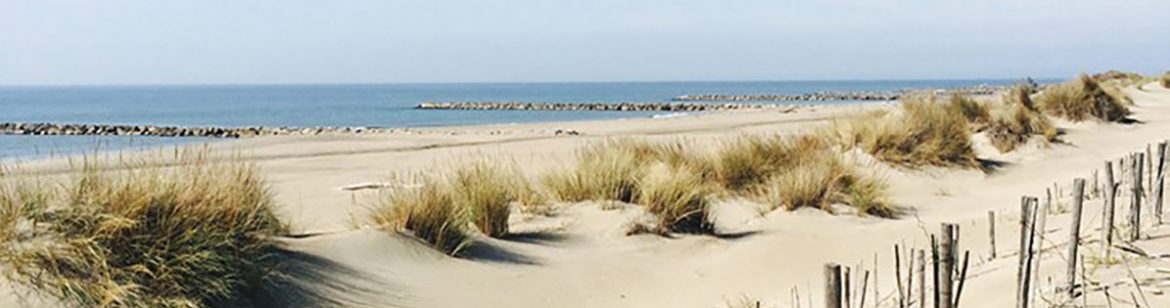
x=381, y=105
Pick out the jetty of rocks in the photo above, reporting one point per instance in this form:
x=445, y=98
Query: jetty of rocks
x=46, y=129
x=841, y=96
x=663, y=106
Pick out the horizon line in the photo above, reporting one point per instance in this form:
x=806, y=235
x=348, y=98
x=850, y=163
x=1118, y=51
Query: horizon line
x=505, y=82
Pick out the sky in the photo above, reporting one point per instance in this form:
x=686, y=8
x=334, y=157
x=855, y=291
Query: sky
x=85, y=42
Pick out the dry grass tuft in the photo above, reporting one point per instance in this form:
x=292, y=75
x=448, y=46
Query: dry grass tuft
x=486, y=192
x=195, y=235
x=923, y=133
x=1017, y=120
x=1166, y=81
x=604, y=171
x=976, y=113
x=428, y=212
x=824, y=180
x=750, y=160
x=679, y=197
x=1082, y=99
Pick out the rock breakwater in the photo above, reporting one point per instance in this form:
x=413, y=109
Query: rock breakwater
x=593, y=106
x=47, y=129
x=842, y=96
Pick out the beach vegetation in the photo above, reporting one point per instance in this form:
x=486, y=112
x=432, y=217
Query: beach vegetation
x=199, y=233
x=679, y=197
x=428, y=213
x=922, y=132
x=1082, y=99
x=604, y=171
x=822, y=181
x=1017, y=120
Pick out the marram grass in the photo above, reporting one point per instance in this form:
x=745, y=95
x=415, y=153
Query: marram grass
x=198, y=234
x=1081, y=100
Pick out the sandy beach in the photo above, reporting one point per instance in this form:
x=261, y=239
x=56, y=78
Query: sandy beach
x=580, y=255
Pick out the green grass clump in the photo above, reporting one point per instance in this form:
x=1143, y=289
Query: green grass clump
x=924, y=132
x=1017, y=120
x=486, y=192
x=604, y=171
x=199, y=234
x=678, y=196
x=428, y=212
x=1080, y=100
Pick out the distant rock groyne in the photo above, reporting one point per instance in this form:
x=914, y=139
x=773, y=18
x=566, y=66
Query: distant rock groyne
x=594, y=106
x=45, y=129
x=842, y=96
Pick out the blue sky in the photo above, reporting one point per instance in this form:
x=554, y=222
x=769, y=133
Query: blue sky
x=389, y=41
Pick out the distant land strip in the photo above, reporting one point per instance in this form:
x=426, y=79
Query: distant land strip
x=660, y=106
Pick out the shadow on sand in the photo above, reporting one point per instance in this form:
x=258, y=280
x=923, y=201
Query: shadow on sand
x=305, y=280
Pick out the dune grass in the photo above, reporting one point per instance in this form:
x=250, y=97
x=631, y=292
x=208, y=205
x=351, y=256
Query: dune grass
x=195, y=235
x=751, y=160
x=822, y=180
x=486, y=192
x=923, y=132
x=604, y=171
x=678, y=196
x=1166, y=81
x=1081, y=100
x=1017, y=120
x=428, y=212
x=978, y=114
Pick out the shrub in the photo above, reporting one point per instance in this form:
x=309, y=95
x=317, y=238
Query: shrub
x=678, y=197
x=199, y=234
x=1166, y=81
x=605, y=171
x=924, y=133
x=428, y=212
x=1082, y=99
x=1017, y=120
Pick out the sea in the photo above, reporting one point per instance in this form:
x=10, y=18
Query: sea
x=365, y=105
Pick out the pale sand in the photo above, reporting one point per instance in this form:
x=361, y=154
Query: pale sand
x=581, y=257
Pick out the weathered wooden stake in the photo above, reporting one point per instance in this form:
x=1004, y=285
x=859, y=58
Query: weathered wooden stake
x=1135, y=205
x=833, y=285
x=1110, y=200
x=909, y=275
x=864, y=285
x=1159, y=184
x=846, y=288
x=898, y=276
x=962, y=278
x=1150, y=167
x=921, y=278
x=934, y=264
x=877, y=300
x=1022, y=253
x=991, y=231
x=947, y=266
x=1074, y=237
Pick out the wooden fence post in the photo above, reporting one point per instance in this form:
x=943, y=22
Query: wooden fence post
x=1135, y=205
x=991, y=231
x=1159, y=183
x=1074, y=237
x=1110, y=200
x=947, y=265
x=921, y=278
x=1023, y=254
x=832, y=285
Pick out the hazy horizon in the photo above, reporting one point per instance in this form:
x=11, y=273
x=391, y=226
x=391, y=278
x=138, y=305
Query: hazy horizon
x=73, y=42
